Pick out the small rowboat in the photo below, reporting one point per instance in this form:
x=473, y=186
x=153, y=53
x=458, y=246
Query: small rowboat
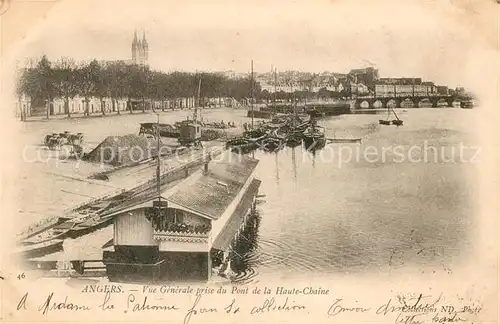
x=244, y=148
x=89, y=226
x=344, y=140
x=294, y=141
x=271, y=144
x=49, y=235
x=397, y=122
x=314, y=137
x=39, y=249
x=40, y=227
x=60, y=231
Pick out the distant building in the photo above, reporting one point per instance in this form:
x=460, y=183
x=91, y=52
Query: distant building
x=23, y=106
x=442, y=90
x=460, y=91
x=359, y=89
x=175, y=233
x=140, y=50
x=404, y=90
x=340, y=87
x=236, y=75
x=385, y=90
x=367, y=76
x=429, y=88
x=402, y=81
x=77, y=105
x=405, y=87
x=140, y=53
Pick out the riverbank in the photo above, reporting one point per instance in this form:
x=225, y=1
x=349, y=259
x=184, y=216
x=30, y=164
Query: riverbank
x=318, y=217
x=43, y=118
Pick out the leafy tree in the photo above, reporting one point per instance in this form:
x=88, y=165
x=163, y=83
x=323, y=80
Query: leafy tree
x=136, y=83
x=115, y=76
x=102, y=84
x=65, y=81
x=26, y=85
x=44, y=79
x=38, y=82
x=88, y=75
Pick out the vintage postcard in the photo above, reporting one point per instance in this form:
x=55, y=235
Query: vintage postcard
x=250, y=161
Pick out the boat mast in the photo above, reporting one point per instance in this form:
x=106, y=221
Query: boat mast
x=195, y=113
x=293, y=100
x=305, y=99
x=395, y=113
x=251, y=91
x=275, y=92
x=273, y=95
x=158, y=169
x=295, y=113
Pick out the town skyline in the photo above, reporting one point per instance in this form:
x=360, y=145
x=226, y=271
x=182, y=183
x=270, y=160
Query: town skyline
x=189, y=41
x=272, y=80
x=66, y=87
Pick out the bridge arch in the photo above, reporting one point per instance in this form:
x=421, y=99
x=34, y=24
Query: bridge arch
x=424, y=103
x=392, y=103
x=440, y=102
x=365, y=104
x=378, y=103
x=407, y=103
x=453, y=102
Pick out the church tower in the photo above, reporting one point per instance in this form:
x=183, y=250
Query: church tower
x=140, y=50
x=145, y=48
x=135, y=48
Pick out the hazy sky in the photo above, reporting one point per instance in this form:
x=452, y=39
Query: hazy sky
x=429, y=39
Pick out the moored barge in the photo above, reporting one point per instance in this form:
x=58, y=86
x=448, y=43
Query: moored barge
x=39, y=249
x=314, y=136
x=175, y=233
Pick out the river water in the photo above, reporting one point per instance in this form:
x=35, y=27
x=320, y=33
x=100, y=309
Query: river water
x=351, y=208
x=404, y=197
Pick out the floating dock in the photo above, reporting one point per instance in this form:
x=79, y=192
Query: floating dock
x=174, y=235
x=157, y=237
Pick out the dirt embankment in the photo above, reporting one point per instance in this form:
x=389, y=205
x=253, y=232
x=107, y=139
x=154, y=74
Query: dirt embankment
x=125, y=150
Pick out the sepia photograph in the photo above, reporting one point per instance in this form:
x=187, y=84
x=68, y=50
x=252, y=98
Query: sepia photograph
x=250, y=161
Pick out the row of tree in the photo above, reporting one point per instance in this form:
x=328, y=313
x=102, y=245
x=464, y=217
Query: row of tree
x=66, y=79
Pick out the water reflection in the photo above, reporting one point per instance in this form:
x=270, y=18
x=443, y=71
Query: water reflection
x=358, y=215
x=311, y=152
x=369, y=112
x=243, y=255
x=277, y=168
x=354, y=216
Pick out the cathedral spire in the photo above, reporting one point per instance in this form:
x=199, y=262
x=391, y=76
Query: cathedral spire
x=145, y=50
x=140, y=49
x=135, y=37
x=144, y=41
x=135, y=49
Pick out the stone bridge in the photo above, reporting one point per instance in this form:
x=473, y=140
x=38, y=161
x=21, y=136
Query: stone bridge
x=395, y=102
